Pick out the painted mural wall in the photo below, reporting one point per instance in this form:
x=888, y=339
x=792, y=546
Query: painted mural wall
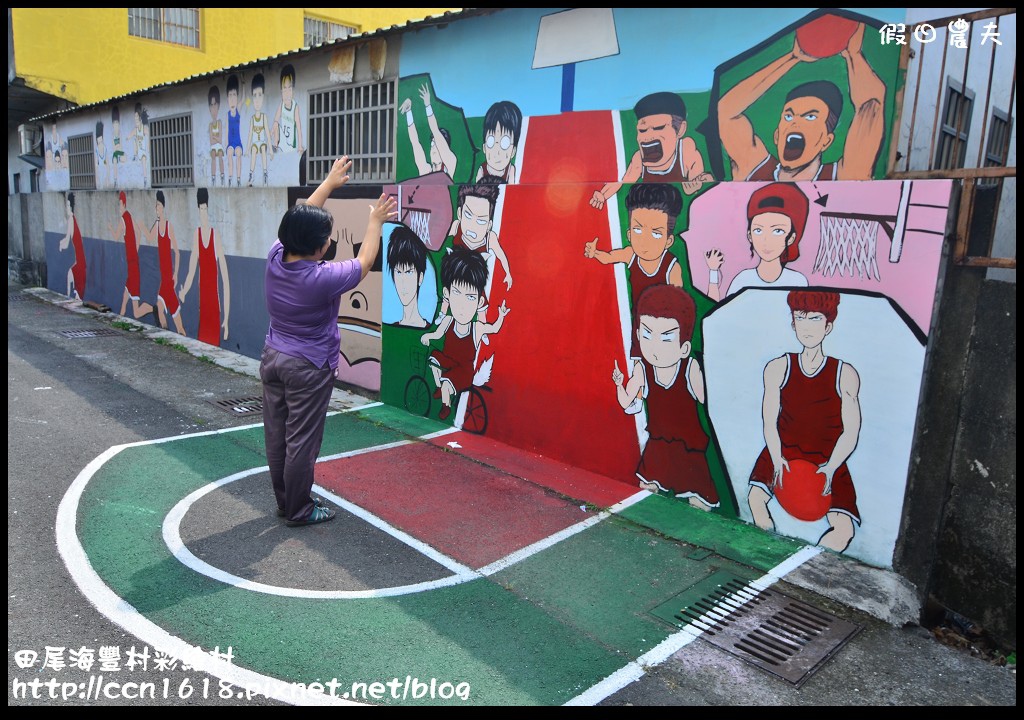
x=192, y=260
x=679, y=269
x=688, y=275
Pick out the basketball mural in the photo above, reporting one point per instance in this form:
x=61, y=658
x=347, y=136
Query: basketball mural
x=598, y=362
x=597, y=243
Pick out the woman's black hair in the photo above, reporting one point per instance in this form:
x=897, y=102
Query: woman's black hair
x=304, y=229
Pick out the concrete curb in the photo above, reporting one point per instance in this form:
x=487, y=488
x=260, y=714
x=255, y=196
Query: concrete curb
x=227, y=359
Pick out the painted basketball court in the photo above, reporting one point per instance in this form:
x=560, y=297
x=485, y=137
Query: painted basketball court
x=455, y=558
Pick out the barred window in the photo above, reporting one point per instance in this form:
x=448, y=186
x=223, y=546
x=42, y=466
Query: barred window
x=170, y=142
x=179, y=26
x=998, y=139
x=358, y=121
x=956, y=127
x=82, y=162
x=316, y=31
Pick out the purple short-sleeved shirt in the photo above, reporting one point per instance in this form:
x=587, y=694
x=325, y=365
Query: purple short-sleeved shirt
x=302, y=299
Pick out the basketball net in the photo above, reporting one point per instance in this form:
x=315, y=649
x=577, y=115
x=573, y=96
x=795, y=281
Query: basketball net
x=848, y=246
x=419, y=222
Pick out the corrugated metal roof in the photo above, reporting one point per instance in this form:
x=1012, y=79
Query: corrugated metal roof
x=353, y=39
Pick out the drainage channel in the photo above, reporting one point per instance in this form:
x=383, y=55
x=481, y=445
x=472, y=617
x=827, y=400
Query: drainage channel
x=779, y=634
x=99, y=332
x=252, y=405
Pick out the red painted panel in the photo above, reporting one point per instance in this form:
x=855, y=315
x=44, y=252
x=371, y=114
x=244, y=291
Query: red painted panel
x=552, y=391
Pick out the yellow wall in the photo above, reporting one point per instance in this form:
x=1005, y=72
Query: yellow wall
x=85, y=55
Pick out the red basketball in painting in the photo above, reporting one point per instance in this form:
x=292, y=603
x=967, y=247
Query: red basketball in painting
x=825, y=36
x=800, y=492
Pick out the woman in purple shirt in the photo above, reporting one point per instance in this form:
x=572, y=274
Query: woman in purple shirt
x=301, y=351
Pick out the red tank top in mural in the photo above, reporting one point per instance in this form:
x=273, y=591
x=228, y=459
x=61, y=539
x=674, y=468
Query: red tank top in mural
x=672, y=410
x=163, y=245
x=769, y=168
x=458, y=242
x=78, y=270
x=209, y=297
x=131, y=256
x=810, y=417
x=676, y=173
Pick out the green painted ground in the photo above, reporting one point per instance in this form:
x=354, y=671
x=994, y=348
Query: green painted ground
x=539, y=632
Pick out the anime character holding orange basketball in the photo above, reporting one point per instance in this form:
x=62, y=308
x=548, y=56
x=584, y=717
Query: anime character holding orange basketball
x=812, y=423
x=810, y=112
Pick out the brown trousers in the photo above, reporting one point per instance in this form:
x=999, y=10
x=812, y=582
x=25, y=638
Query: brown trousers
x=295, y=399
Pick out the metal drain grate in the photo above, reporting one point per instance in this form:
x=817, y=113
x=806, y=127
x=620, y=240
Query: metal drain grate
x=241, y=406
x=102, y=332
x=16, y=297
x=788, y=638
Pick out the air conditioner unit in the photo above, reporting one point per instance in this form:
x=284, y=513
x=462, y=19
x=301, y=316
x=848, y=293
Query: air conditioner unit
x=31, y=137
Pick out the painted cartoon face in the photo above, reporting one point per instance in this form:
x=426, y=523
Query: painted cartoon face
x=498, y=148
x=475, y=221
x=67, y=207
x=138, y=120
x=287, y=91
x=204, y=214
x=407, y=283
x=117, y=128
x=159, y=210
x=810, y=327
x=257, y=98
x=657, y=139
x=100, y=145
x=463, y=301
x=802, y=134
x=214, y=109
x=769, y=234
x=232, y=99
x=659, y=341
x=648, y=233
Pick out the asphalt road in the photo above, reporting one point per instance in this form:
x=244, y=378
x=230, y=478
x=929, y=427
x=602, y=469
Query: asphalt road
x=67, y=400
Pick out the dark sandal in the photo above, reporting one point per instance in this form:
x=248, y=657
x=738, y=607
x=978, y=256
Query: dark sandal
x=320, y=514
x=317, y=502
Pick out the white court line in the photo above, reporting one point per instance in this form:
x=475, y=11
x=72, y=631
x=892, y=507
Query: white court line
x=461, y=573
x=116, y=609
x=109, y=604
x=661, y=652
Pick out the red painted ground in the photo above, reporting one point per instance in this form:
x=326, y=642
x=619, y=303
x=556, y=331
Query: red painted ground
x=551, y=380
x=471, y=512
x=572, y=482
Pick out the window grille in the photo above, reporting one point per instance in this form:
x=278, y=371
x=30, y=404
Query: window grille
x=358, y=121
x=316, y=31
x=170, y=142
x=179, y=26
x=998, y=139
x=956, y=127
x=82, y=162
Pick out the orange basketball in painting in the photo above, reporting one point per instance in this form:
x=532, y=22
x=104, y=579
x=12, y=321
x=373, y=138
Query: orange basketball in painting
x=800, y=493
x=825, y=36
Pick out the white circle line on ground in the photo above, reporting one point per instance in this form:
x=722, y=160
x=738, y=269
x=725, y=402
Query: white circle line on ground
x=109, y=604
x=461, y=573
x=172, y=538
x=121, y=613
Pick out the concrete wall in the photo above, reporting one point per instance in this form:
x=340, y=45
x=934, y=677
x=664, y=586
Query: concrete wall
x=934, y=67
